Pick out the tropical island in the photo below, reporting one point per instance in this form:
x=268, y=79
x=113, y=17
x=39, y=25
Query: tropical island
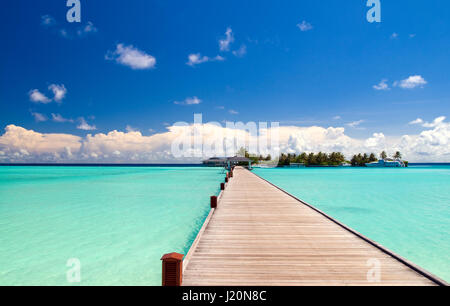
x=334, y=159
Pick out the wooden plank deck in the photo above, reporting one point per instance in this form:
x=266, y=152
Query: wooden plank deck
x=260, y=235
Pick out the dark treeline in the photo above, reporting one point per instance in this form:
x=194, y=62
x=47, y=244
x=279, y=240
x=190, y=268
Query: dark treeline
x=311, y=159
x=361, y=160
x=324, y=159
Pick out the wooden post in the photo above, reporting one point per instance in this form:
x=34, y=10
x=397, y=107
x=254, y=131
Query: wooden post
x=226, y=179
x=231, y=173
x=172, y=269
x=222, y=186
x=213, y=202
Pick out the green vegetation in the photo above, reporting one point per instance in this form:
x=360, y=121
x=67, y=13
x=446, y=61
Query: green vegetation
x=322, y=159
x=311, y=159
x=361, y=160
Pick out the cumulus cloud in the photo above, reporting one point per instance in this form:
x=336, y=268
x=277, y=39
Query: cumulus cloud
x=305, y=26
x=376, y=141
x=411, y=82
x=189, y=101
x=382, y=85
x=38, y=117
x=131, y=57
x=85, y=126
x=431, y=145
x=37, y=97
x=437, y=122
x=197, y=58
x=87, y=29
x=19, y=144
x=59, y=92
x=241, y=51
x=129, y=128
x=417, y=121
x=224, y=44
x=47, y=20
x=355, y=124
x=60, y=119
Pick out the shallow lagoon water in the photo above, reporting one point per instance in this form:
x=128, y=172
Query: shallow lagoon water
x=117, y=221
x=406, y=210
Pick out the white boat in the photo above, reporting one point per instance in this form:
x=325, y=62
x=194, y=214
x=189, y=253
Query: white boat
x=387, y=163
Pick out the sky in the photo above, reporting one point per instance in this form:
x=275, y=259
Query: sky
x=112, y=87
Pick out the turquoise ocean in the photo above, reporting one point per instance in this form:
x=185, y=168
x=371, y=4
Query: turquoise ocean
x=118, y=221
x=406, y=210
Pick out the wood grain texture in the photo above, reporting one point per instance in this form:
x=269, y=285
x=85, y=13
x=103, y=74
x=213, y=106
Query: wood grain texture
x=259, y=235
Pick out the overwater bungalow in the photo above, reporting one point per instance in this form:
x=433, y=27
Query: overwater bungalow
x=228, y=162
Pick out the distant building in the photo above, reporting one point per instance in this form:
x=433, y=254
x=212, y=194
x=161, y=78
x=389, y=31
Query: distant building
x=216, y=162
x=227, y=161
x=387, y=163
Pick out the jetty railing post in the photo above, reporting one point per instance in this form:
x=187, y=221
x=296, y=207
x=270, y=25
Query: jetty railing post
x=172, y=269
x=222, y=186
x=213, y=202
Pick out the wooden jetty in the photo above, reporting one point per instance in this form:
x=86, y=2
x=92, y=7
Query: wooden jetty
x=261, y=236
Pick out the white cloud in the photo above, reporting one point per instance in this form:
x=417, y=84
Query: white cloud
x=437, y=122
x=130, y=129
x=305, y=26
x=411, y=82
x=241, y=51
x=233, y=112
x=355, y=124
x=19, y=144
x=197, y=58
x=38, y=117
x=64, y=33
x=382, y=85
x=17, y=140
x=47, y=20
x=417, y=121
x=189, y=101
x=194, y=59
x=376, y=141
x=37, y=97
x=131, y=57
x=224, y=44
x=87, y=29
x=59, y=92
x=394, y=35
x=60, y=119
x=337, y=118
x=85, y=126
x=412, y=35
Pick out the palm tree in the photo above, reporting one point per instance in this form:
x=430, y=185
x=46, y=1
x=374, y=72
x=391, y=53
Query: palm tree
x=383, y=155
x=398, y=155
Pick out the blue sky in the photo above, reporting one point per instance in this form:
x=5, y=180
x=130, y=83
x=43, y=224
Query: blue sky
x=272, y=71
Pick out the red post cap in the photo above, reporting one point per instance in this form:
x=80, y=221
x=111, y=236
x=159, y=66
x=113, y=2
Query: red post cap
x=173, y=256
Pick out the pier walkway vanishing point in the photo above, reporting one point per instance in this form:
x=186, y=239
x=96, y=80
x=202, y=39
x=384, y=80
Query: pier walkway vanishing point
x=261, y=236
